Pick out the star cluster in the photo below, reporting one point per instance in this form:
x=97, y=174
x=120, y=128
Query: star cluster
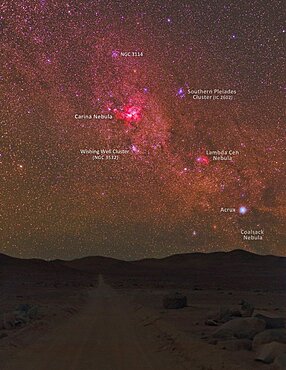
x=67, y=58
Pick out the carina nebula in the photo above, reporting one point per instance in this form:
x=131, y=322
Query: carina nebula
x=141, y=129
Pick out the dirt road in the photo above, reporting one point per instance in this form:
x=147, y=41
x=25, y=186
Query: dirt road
x=106, y=335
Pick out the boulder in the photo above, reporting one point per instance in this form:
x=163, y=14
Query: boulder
x=23, y=307
x=175, y=300
x=21, y=318
x=211, y=322
x=270, y=335
x=224, y=314
x=280, y=362
x=25, y=312
x=236, y=345
x=33, y=312
x=8, y=320
x=235, y=313
x=247, y=309
x=272, y=322
x=212, y=341
x=240, y=328
x=268, y=352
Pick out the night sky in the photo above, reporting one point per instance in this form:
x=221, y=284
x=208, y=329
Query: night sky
x=83, y=76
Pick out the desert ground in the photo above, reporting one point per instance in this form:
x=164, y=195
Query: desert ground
x=196, y=311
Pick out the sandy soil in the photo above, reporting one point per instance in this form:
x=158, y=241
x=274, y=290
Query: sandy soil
x=106, y=335
x=185, y=328
x=127, y=329
x=118, y=322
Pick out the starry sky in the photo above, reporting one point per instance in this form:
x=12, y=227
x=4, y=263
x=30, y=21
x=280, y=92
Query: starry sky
x=158, y=192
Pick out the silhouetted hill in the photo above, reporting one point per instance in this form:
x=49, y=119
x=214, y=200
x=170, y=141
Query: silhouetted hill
x=236, y=268
x=14, y=270
x=97, y=264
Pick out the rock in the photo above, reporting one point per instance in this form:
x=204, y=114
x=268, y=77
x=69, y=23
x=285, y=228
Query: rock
x=268, y=352
x=26, y=312
x=237, y=345
x=270, y=335
x=23, y=314
x=175, y=300
x=224, y=314
x=272, y=322
x=21, y=318
x=240, y=328
x=3, y=335
x=8, y=320
x=212, y=341
x=235, y=313
x=280, y=362
x=211, y=322
x=33, y=313
x=247, y=309
x=23, y=307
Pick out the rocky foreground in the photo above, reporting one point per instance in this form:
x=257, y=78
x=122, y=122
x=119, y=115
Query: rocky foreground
x=203, y=310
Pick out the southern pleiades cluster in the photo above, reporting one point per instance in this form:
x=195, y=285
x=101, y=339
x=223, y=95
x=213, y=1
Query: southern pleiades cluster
x=142, y=128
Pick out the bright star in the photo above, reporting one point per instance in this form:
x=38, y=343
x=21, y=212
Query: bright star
x=243, y=210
